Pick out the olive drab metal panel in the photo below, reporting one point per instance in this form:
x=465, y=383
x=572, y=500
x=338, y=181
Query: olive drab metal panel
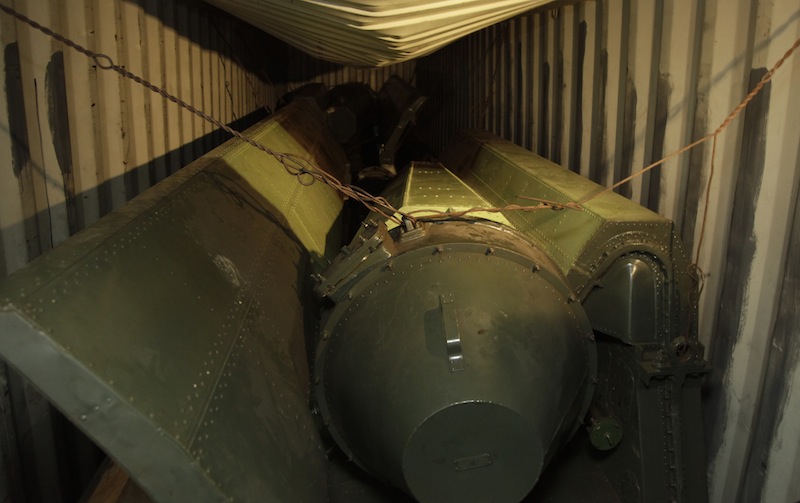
x=172, y=331
x=431, y=320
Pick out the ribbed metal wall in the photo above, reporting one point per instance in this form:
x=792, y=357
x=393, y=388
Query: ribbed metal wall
x=603, y=87
x=303, y=69
x=77, y=141
x=606, y=87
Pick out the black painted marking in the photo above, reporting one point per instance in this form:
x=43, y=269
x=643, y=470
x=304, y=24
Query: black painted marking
x=663, y=95
x=17, y=121
x=544, y=84
x=628, y=143
x=692, y=186
x=518, y=112
x=497, y=109
x=530, y=109
x=597, y=148
x=783, y=356
x=507, y=115
x=576, y=132
x=58, y=117
x=557, y=133
x=740, y=251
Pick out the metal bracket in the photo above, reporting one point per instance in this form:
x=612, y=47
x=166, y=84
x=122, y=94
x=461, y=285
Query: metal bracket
x=389, y=149
x=363, y=253
x=455, y=355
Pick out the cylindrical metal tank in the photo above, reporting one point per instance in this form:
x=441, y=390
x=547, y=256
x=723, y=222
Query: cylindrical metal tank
x=453, y=360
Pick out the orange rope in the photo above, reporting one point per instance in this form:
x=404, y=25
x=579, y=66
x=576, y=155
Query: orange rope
x=731, y=116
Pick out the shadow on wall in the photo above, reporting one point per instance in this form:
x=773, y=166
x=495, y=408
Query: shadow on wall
x=255, y=50
x=34, y=232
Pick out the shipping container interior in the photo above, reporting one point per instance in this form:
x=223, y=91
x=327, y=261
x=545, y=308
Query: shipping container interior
x=602, y=87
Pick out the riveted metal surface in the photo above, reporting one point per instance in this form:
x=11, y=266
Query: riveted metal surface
x=172, y=331
x=586, y=242
x=658, y=457
x=425, y=187
x=386, y=388
x=501, y=172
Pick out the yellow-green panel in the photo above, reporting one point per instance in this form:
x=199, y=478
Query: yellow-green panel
x=505, y=173
x=429, y=188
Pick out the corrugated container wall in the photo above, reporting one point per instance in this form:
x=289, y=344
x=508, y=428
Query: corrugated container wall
x=81, y=139
x=77, y=141
x=603, y=87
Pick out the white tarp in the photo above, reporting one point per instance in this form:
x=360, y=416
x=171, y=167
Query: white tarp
x=373, y=32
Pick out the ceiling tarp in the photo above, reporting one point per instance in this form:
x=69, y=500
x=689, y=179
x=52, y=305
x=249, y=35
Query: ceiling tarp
x=373, y=32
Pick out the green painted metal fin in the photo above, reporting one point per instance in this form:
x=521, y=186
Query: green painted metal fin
x=172, y=332
x=504, y=173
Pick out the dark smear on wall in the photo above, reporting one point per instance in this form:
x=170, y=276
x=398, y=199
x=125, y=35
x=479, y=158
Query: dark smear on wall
x=17, y=122
x=544, y=112
x=628, y=135
x=58, y=117
x=496, y=112
x=507, y=69
x=598, y=140
x=741, y=248
x=34, y=225
x=544, y=97
x=576, y=133
x=530, y=74
x=696, y=102
x=557, y=133
x=663, y=95
x=518, y=110
x=694, y=187
x=783, y=356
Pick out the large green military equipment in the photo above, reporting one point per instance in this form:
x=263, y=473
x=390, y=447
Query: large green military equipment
x=444, y=345
x=457, y=358
x=628, y=269
x=172, y=332
x=457, y=354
